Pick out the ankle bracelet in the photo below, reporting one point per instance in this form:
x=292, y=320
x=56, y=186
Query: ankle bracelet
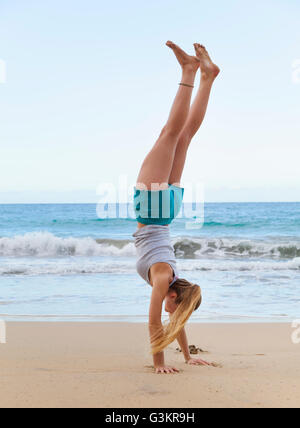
x=185, y=84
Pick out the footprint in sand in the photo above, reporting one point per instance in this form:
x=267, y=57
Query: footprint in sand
x=149, y=389
x=217, y=365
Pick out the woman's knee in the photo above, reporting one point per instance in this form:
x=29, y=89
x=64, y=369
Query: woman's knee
x=168, y=139
x=171, y=132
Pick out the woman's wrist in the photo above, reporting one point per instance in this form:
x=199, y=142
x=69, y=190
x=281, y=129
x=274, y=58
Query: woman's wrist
x=159, y=359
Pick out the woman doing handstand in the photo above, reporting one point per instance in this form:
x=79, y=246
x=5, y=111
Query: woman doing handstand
x=157, y=201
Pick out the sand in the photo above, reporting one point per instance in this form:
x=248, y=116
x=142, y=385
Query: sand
x=108, y=365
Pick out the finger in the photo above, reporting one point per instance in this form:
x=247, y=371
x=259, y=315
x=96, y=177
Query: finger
x=200, y=363
x=204, y=363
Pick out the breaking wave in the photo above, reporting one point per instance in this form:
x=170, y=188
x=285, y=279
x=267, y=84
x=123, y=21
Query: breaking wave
x=45, y=244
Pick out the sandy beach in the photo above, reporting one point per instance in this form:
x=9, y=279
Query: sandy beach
x=108, y=365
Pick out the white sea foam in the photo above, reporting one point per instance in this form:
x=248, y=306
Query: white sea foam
x=66, y=266
x=229, y=247
x=238, y=265
x=45, y=244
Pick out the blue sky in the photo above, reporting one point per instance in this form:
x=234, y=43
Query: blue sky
x=90, y=84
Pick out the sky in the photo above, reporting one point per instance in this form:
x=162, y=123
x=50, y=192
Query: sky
x=89, y=85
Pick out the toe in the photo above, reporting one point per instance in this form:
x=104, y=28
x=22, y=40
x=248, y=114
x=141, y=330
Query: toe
x=170, y=44
x=197, y=47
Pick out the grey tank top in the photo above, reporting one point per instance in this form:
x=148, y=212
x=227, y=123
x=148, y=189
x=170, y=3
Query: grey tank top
x=153, y=245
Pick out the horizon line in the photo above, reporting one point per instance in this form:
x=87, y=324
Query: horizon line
x=104, y=203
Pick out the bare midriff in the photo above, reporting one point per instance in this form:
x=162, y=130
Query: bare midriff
x=140, y=225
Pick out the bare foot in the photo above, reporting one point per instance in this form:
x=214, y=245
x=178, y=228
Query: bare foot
x=186, y=61
x=208, y=68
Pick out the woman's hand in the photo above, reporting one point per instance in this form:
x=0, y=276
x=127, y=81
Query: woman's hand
x=198, y=362
x=165, y=369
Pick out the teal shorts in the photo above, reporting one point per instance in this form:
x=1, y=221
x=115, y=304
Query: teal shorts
x=158, y=207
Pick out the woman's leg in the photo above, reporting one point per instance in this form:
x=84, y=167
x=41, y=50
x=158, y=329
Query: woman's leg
x=157, y=166
x=209, y=72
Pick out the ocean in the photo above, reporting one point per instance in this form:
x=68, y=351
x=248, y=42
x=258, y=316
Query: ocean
x=61, y=262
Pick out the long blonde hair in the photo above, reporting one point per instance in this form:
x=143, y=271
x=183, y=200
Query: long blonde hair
x=188, y=300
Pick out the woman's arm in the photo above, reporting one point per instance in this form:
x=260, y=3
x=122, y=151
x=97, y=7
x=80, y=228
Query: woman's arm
x=184, y=345
x=159, y=292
